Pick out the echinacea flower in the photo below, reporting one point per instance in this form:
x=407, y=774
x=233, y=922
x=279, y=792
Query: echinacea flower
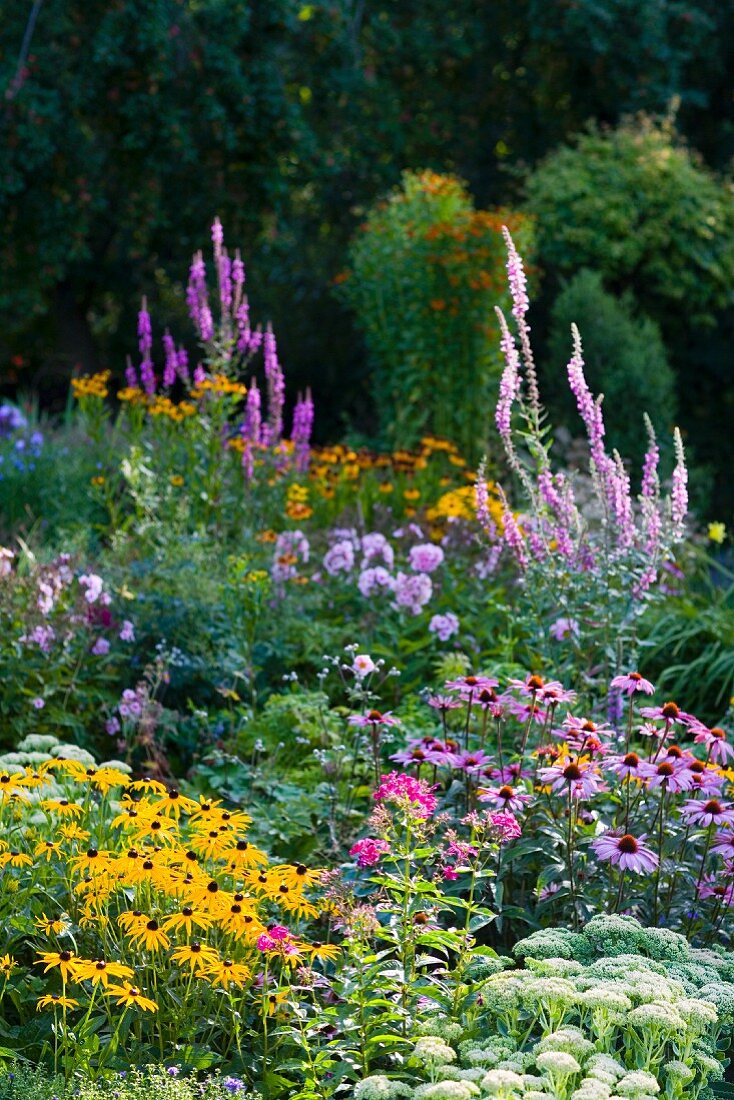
x=627, y=852
x=373, y=718
x=715, y=741
x=471, y=761
x=470, y=686
x=671, y=775
x=712, y=812
x=578, y=779
x=629, y=766
x=713, y=887
x=506, y=797
x=632, y=683
x=669, y=712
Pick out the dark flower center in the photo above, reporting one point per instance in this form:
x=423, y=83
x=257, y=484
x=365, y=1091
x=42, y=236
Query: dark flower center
x=713, y=807
x=572, y=772
x=628, y=844
x=670, y=710
x=631, y=760
x=152, y=926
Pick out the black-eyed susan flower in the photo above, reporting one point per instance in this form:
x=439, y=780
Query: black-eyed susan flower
x=99, y=971
x=197, y=956
x=241, y=919
x=91, y=862
x=65, y=960
x=7, y=965
x=62, y=807
x=174, y=803
x=129, y=996
x=73, y=832
x=15, y=859
x=55, y=1000
x=150, y=936
x=132, y=919
x=148, y=784
x=187, y=920
x=48, y=849
x=243, y=854
x=226, y=972
x=297, y=876
x=326, y=952
x=50, y=926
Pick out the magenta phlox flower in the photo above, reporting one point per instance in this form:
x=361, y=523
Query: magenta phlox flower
x=407, y=792
x=505, y=798
x=632, y=683
x=712, y=812
x=374, y=718
x=625, y=851
x=369, y=851
x=577, y=778
x=507, y=826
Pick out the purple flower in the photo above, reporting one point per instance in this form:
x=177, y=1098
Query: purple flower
x=573, y=777
x=38, y=703
x=233, y=1084
x=375, y=580
x=412, y=591
x=505, y=798
x=679, y=489
x=375, y=545
x=627, y=852
x=369, y=851
x=340, y=558
x=101, y=647
x=301, y=431
x=405, y=790
x=374, y=718
x=127, y=631
x=562, y=629
x=92, y=585
x=276, y=386
x=112, y=726
x=631, y=683
x=444, y=626
x=713, y=812
x=425, y=558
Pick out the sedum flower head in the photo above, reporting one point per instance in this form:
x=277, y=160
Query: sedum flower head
x=446, y=1090
x=431, y=1050
x=605, y=1063
x=678, y=1072
x=556, y=968
x=591, y=1088
x=662, y=1017
x=502, y=1082
x=639, y=1082
x=377, y=1087
x=558, y=1063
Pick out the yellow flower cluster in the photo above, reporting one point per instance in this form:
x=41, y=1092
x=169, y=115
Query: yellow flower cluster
x=91, y=385
x=296, y=505
x=153, y=889
x=219, y=384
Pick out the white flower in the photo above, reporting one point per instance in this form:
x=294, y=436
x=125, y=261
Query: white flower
x=558, y=1062
x=637, y=1082
x=431, y=1050
x=502, y=1082
x=373, y=1088
x=363, y=665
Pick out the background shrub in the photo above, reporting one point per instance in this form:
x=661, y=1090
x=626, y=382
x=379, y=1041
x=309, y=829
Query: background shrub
x=426, y=272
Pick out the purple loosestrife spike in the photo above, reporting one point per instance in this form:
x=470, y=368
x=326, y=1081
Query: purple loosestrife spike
x=182, y=365
x=244, y=333
x=199, y=374
x=481, y=500
x=276, y=386
x=650, y=488
x=301, y=431
x=217, y=236
x=224, y=273
x=238, y=282
x=520, y=305
x=511, y=533
x=679, y=489
x=145, y=343
x=170, y=368
x=509, y=386
x=251, y=429
x=622, y=503
x=131, y=378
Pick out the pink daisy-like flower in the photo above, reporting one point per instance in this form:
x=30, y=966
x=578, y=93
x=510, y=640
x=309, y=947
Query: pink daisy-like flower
x=712, y=812
x=573, y=777
x=712, y=887
x=723, y=845
x=705, y=779
x=374, y=718
x=715, y=741
x=631, y=683
x=407, y=791
x=629, y=766
x=505, y=798
x=472, y=762
x=444, y=703
x=669, y=712
x=425, y=751
x=369, y=851
x=524, y=711
x=470, y=686
x=584, y=735
x=627, y=852
x=672, y=775
x=550, y=691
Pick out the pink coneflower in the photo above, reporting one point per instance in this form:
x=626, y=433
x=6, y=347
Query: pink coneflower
x=627, y=852
x=505, y=798
x=444, y=703
x=669, y=712
x=674, y=776
x=715, y=741
x=629, y=766
x=524, y=711
x=550, y=691
x=374, y=718
x=712, y=887
x=712, y=812
x=631, y=683
x=704, y=778
x=470, y=686
x=573, y=777
x=472, y=762
x=582, y=733
x=510, y=773
x=724, y=845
